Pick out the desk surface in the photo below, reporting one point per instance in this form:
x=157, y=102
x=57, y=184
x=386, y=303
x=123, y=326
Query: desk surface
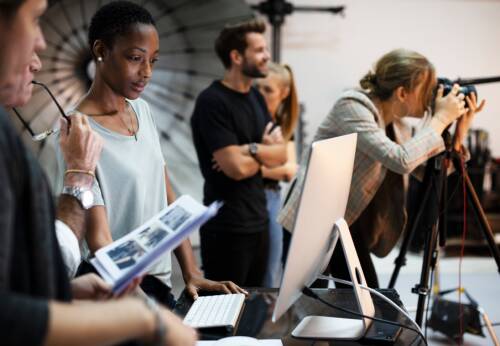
x=256, y=318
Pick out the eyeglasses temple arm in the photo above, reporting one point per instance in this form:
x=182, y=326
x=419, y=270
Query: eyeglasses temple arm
x=26, y=125
x=55, y=101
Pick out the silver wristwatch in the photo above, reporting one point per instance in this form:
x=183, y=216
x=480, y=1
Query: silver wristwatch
x=252, y=149
x=84, y=195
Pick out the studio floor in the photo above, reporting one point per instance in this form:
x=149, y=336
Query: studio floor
x=480, y=278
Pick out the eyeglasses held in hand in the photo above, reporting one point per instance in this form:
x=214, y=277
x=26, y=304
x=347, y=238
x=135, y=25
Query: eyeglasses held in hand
x=45, y=134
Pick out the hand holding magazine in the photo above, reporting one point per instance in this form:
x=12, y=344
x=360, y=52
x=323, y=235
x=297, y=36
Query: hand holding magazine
x=132, y=255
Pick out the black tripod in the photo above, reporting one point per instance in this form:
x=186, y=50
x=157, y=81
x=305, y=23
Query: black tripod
x=431, y=211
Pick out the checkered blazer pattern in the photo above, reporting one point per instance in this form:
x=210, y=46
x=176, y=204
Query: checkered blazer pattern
x=375, y=154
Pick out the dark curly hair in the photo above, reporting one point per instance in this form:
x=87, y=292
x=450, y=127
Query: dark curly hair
x=233, y=36
x=116, y=19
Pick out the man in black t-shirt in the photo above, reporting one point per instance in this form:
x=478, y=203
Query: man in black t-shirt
x=233, y=137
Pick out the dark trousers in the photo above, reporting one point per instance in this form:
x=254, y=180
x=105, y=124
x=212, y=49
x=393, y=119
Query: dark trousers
x=241, y=258
x=338, y=264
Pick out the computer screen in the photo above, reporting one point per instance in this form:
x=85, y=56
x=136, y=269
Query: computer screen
x=323, y=201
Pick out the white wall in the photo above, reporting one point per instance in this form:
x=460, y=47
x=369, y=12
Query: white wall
x=329, y=53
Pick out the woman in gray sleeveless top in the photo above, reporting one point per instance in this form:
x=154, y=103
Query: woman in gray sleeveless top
x=132, y=181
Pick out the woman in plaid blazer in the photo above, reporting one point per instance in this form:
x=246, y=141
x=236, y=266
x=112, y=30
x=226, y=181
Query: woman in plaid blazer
x=401, y=85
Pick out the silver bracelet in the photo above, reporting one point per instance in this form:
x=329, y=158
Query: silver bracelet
x=160, y=328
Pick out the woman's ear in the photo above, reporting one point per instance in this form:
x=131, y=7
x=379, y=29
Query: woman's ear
x=99, y=50
x=401, y=93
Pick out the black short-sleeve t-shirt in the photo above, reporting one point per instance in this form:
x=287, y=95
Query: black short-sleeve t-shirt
x=224, y=117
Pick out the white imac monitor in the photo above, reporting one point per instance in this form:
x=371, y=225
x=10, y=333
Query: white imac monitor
x=318, y=226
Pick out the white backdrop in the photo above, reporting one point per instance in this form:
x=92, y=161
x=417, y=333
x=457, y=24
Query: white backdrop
x=329, y=53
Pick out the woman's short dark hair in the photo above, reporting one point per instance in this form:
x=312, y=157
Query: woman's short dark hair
x=234, y=37
x=116, y=19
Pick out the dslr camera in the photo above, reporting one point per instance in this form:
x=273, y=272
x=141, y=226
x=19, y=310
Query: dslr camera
x=448, y=84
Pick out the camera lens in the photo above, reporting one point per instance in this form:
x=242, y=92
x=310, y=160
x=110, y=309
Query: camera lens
x=466, y=89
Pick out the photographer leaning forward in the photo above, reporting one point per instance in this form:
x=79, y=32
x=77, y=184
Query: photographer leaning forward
x=401, y=85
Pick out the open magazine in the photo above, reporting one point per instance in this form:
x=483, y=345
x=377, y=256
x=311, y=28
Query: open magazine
x=132, y=255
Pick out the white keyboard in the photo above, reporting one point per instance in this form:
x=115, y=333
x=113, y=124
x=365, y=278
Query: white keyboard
x=215, y=311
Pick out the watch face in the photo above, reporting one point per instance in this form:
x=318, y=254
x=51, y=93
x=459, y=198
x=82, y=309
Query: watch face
x=253, y=148
x=87, y=199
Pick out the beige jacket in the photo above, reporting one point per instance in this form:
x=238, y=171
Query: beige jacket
x=376, y=155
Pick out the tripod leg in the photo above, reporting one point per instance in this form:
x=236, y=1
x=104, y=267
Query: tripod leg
x=489, y=326
x=483, y=220
x=431, y=227
x=429, y=259
x=428, y=185
x=400, y=261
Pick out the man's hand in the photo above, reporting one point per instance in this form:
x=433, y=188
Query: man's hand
x=196, y=283
x=215, y=165
x=178, y=334
x=272, y=137
x=81, y=148
x=90, y=286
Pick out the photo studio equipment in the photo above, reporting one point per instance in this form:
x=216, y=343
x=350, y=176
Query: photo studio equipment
x=430, y=217
x=276, y=11
x=187, y=30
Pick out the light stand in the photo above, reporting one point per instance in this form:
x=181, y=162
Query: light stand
x=277, y=10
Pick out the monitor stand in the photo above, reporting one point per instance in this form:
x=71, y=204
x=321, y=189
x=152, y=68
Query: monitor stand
x=323, y=327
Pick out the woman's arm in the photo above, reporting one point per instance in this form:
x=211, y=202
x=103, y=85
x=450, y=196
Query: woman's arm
x=350, y=116
x=192, y=275
x=98, y=231
x=465, y=121
x=285, y=172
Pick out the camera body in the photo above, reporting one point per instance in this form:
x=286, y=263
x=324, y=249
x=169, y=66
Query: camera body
x=448, y=84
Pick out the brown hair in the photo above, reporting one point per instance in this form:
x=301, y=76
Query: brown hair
x=397, y=68
x=8, y=8
x=288, y=111
x=234, y=37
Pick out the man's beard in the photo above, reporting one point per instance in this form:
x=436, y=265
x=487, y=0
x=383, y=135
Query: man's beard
x=252, y=71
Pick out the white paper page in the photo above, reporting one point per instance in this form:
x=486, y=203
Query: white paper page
x=129, y=249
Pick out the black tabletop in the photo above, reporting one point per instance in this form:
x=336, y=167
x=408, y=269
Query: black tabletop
x=256, y=321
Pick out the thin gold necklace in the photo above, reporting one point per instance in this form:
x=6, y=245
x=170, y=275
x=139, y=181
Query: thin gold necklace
x=130, y=129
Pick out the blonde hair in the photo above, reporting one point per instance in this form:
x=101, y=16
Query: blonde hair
x=288, y=111
x=400, y=67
